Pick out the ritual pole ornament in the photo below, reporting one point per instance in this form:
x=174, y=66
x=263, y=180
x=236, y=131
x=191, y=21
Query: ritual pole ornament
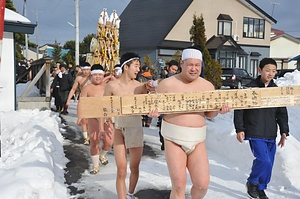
x=107, y=106
x=105, y=46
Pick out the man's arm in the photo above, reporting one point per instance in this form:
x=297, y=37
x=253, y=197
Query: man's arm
x=238, y=119
x=84, y=93
x=108, y=89
x=72, y=91
x=282, y=120
x=211, y=114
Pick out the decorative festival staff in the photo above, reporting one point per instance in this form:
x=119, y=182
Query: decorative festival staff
x=105, y=47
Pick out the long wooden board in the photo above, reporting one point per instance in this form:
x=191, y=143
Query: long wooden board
x=93, y=107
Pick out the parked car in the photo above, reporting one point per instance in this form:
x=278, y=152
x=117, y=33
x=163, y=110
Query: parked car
x=281, y=72
x=235, y=77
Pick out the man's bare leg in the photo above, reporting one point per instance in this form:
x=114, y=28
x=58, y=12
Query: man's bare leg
x=94, y=144
x=176, y=160
x=85, y=131
x=121, y=162
x=198, y=167
x=135, y=159
x=107, y=141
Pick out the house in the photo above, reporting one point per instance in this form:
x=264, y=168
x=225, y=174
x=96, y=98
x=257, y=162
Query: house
x=32, y=54
x=237, y=31
x=13, y=23
x=285, y=49
x=45, y=50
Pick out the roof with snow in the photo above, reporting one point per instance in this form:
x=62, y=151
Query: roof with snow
x=14, y=22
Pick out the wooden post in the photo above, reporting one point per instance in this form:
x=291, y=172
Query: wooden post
x=47, y=79
x=34, y=81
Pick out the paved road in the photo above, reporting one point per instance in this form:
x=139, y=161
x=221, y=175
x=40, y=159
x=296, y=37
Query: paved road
x=154, y=180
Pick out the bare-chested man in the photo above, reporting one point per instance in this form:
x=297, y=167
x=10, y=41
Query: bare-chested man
x=96, y=125
x=81, y=80
x=128, y=129
x=184, y=133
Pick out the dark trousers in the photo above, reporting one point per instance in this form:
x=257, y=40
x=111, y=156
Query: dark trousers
x=64, y=98
x=57, y=99
x=264, y=153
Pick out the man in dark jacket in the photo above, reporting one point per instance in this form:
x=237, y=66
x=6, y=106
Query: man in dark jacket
x=64, y=81
x=259, y=127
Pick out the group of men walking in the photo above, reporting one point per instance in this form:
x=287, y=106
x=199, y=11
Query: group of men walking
x=182, y=134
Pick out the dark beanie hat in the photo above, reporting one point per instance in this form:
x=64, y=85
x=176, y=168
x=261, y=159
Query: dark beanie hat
x=127, y=57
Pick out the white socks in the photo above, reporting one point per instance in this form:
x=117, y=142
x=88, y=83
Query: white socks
x=95, y=160
x=129, y=195
x=85, y=135
x=103, y=153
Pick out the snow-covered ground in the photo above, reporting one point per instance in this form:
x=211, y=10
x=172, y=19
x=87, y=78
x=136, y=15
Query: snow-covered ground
x=32, y=159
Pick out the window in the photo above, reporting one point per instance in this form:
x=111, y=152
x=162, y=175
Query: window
x=227, y=59
x=242, y=62
x=254, y=28
x=224, y=28
x=245, y=73
x=224, y=25
x=253, y=67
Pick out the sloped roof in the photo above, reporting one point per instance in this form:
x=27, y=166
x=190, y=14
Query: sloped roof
x=217, y=43
x=145, y=24
x=287, y=36
x=254, y=7
x=12, y=16
x=14, y=22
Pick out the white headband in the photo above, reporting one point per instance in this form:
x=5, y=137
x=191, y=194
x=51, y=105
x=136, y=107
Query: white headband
x=125, y=62
x=85, y=67
x=97, y=72
x=191, y=53
x=118, y=68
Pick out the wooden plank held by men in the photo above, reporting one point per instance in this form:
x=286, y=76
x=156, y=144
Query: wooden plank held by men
x=94, y=107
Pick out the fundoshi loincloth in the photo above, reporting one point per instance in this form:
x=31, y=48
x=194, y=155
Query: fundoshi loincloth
x=132, y=130
x=186, y=137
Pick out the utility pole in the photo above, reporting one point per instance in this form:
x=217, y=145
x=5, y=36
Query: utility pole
x=26, y=36
x=274, y=4
x=37, y=35
x=77, y=32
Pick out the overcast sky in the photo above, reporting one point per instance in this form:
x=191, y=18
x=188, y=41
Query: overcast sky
x=54, y=15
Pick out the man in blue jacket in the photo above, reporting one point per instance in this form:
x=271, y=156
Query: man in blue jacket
x=259, y=127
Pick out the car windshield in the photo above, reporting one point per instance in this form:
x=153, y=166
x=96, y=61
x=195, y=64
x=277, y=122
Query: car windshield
x=227, y=71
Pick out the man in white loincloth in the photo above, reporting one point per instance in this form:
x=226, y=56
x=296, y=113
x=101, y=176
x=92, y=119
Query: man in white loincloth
x=184, y=133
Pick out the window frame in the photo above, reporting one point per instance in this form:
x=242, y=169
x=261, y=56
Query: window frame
x=221, y=27
x=254, y=28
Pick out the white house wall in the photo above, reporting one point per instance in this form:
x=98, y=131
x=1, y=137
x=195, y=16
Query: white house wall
x=211, y=10
x=7, y=74
x=284, y=48
x=31, y=54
